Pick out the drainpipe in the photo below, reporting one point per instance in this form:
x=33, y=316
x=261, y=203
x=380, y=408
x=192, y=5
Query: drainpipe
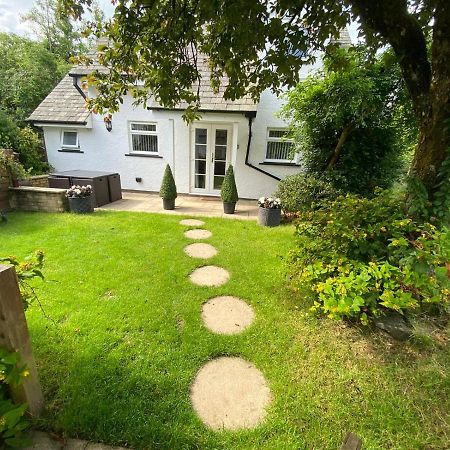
x=250, y=116
x=75, y=85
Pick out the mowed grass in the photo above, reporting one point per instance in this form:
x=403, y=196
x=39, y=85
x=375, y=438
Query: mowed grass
x=126, y=339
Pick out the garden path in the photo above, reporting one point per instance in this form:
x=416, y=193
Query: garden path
x=227, y=392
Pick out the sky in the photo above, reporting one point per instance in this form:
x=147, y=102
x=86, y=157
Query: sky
x=11, y=10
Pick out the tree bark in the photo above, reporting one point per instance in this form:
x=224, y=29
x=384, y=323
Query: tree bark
x=434, y=136
x=340, y=145
x=428, y=82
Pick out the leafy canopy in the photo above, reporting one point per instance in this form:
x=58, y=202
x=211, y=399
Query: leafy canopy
x=27, y=74
x=60, y=35
x=255, y=43
x=352, y=115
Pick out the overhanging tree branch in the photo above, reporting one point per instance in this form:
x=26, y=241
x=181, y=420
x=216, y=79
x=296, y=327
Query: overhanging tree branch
x=391, y=19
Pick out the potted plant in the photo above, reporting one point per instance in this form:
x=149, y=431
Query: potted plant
x=269, y=214
x=80, y=199
x=229, y=192
x=168, y=191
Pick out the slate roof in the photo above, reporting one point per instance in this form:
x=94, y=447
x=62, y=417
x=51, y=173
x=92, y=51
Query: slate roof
x=344, y=39
x=63, y=105
x=208, y=100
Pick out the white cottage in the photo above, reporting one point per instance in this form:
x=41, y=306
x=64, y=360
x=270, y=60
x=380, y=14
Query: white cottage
x=143, y=140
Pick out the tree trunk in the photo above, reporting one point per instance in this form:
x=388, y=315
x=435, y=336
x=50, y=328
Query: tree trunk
x=428, y=82
x=431, y=150
x=340, y=145
x=434, y=137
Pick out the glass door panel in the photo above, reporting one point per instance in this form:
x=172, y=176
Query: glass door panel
x=200, y=157
x=219, y=157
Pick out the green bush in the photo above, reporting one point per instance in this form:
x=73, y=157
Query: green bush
x=229, y=191
x=302, y=192
x=12, y=417
x=358, y=258
x=29, y=147
x=11, y=166
x=168, y=189
x=24, y=141
x=359, y=102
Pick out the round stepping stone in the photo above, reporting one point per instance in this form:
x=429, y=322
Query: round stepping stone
x=227, y=315
x=230, y=393
x=209, y=276
x=192, y=222
x=200, y=250
x=198, y=234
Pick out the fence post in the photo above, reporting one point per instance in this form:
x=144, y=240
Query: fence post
x=4, y=185
x=14, y=336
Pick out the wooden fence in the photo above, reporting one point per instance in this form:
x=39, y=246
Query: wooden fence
x=4, y=184
x=14, y=336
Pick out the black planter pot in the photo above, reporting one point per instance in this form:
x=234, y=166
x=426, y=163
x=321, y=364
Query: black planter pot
x=269, y=217
x=168, y=203
x=229, y=208
x=81, y=205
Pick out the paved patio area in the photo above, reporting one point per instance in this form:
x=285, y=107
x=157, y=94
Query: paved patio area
x=191, y=205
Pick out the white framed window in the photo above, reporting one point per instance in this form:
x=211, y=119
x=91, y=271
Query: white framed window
x=143, y=137
x=69, y=139
x=279, y=145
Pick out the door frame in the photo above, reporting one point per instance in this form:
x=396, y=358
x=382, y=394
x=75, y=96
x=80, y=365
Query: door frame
x=209, y=177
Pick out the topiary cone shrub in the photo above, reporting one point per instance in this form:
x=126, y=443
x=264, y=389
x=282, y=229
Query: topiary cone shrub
x=168, y=191
x=229, y=192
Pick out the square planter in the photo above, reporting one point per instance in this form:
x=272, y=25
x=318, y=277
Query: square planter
x=168, y=203
x=229, y=208
x=81, y=205
x=269, y=217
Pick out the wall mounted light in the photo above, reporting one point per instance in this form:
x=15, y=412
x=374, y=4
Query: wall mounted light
x=108, y=122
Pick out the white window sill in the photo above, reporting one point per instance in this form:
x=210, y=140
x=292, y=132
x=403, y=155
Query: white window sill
x=70, y=150
x=279, y=162
x=144, y=154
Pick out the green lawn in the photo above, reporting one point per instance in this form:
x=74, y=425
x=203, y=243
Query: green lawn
x=126, y=341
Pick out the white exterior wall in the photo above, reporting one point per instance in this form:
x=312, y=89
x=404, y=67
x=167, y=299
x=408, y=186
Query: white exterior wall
x=106, y=151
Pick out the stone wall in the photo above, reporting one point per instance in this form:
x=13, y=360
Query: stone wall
x=27, y=198
x=35, y=181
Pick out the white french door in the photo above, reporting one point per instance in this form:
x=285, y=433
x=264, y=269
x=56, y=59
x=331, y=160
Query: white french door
x=210, y=156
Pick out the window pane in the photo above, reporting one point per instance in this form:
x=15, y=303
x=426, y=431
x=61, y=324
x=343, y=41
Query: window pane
x=219, y=168
x=200, y=151
x=221, y=137
x=200, y=166
x=200, y=181
x=70, y=138
x=221, y=153
x=200, y=135
x=143, y=127
x=144, y=143
x=218, y=182
x=278, y=133
x=279, y=150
